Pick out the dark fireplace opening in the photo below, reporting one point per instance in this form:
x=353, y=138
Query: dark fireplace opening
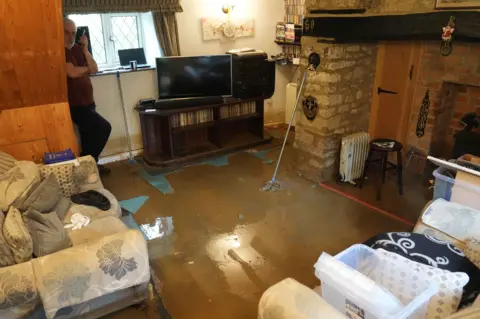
x=456, y=100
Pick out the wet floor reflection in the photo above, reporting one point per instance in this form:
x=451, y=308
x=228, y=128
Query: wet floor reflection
x=163, y=226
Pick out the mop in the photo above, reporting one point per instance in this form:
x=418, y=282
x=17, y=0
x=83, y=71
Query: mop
x=273, y=185
x=131, y=159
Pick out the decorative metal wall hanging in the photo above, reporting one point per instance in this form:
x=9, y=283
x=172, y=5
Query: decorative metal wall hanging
x=310, y=107
x=423, y=116
x=446, y=46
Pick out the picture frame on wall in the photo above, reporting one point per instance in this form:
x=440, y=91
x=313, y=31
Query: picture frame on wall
x=457, y=4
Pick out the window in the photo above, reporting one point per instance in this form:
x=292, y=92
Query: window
x=110, y=33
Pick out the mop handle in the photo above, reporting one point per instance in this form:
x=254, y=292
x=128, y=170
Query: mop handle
x=127, y=132
x=289, y=126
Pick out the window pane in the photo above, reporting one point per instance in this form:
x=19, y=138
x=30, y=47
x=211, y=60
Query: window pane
x=124, y=32
x=94, y=24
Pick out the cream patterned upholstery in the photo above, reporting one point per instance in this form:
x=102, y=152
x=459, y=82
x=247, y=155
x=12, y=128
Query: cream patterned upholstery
x=18, y=291
x=17, y=236
x=84, y=272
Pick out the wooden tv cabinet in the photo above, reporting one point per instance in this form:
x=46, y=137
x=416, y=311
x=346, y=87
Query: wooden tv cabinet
x=177, y=136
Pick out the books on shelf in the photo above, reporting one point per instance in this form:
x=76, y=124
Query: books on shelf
x=238, y=109
x=191, y=118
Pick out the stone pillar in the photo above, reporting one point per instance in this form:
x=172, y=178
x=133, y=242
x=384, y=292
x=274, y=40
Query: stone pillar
x=343, y=86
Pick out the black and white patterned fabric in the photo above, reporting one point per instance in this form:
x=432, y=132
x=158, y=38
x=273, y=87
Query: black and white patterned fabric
x=434, y=252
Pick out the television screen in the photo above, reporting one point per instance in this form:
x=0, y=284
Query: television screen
x=194, y=76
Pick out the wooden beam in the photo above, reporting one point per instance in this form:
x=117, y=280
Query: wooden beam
x=421, y=26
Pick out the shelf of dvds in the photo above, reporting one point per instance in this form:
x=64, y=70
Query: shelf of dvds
x=177, y=136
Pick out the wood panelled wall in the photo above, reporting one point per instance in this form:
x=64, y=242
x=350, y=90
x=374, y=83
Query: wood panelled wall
x=32, y=54
x=34, y=112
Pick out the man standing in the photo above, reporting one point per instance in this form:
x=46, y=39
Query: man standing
x=94, y=129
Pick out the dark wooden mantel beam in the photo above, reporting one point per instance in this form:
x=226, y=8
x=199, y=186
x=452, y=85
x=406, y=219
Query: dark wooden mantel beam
x=421, y=26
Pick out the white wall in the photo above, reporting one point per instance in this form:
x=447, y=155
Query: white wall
x=266, y=14
x=135, y=86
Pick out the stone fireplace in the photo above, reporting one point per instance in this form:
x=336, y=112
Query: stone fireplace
x=343, y=87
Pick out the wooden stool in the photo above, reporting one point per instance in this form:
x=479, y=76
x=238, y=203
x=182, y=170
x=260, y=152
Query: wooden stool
x=383, y=153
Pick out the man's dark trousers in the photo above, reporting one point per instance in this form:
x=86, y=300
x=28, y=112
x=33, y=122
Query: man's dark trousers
x=94, y=129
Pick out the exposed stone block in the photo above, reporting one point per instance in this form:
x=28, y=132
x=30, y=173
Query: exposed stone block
x=304, y=137
x=339, y=65
x=330, y=100
x=335, y=52
x=359, y=94
x=314, y=163
x=324, y=77
x=353, y=48
x=359, y=73
x=344, y=108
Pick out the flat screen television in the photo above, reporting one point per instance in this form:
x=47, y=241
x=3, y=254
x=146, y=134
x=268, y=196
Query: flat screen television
x=197, y=76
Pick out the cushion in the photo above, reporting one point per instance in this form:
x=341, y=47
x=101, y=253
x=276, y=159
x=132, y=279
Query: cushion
x=6, y=255
x=6, y=162
x=458, y=221
x=44, y=197
x=62, y=207
x=97, y=229
x=64, y=175
x=450, y=284
x=472, y=251
x=48, y=234
x=86, y=175
x=291, y=299
x=17, y=184
x=18, y=291
x=17, y=236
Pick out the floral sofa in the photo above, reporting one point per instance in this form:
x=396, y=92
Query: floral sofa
x=104, y=269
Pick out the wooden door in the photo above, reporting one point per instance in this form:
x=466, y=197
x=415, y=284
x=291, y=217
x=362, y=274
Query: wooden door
x=397, y=64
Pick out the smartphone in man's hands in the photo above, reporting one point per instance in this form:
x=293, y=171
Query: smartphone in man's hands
x=81, y=32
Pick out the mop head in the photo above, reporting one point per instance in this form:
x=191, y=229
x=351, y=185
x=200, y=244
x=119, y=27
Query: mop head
x=271, y=186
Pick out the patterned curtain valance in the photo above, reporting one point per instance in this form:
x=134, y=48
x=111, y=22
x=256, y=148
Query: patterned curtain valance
x=108, y=6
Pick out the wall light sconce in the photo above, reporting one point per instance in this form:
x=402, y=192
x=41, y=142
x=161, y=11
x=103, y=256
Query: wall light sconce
x=228, y=8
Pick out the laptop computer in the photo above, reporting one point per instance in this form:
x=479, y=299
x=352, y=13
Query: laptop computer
x=128, y=55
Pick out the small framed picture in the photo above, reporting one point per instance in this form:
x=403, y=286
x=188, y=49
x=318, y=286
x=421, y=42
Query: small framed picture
x=457, y=4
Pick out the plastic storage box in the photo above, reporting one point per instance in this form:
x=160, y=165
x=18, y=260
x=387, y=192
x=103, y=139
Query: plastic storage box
x=351, y=284
x=444, y=181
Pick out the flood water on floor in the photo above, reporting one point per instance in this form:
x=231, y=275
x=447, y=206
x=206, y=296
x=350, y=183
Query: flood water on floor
x=218, y=242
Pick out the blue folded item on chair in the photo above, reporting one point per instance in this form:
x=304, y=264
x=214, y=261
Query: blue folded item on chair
x=58, y=157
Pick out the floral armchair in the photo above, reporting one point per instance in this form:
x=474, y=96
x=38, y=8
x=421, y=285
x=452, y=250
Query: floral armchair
x=106, y=269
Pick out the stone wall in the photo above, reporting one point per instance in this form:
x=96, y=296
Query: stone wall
x=343, y=86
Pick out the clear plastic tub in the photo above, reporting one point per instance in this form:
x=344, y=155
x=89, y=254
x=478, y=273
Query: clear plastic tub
x=351, y=284
x=445, y=182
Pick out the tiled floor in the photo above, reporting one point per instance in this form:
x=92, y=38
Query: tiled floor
x=230, y=241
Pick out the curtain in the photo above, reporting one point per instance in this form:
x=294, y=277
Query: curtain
x=167, y=32
x=109, y=6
